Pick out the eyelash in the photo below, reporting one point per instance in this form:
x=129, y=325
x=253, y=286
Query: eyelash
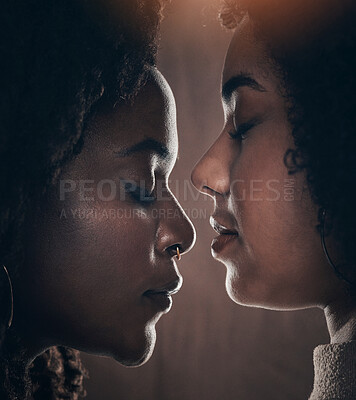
x=142, y=196
x=241, y=131
x=139, y=194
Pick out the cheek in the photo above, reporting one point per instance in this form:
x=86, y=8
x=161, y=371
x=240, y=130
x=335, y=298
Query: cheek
x=102, y=249
x=89, y=274
x=280, y=261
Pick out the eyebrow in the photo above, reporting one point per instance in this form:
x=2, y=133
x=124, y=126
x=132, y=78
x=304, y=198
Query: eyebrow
x=238, y=81
x=144, y=145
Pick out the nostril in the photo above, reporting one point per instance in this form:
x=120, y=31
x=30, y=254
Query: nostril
x=175, y=250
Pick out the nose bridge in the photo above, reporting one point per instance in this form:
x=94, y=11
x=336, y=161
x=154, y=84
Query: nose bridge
x=175, y=227
x=211, y=175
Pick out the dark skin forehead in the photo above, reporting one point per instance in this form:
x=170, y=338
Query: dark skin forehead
x=143, y=129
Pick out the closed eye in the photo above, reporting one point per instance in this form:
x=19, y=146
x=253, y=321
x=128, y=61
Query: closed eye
x=138, y=193
x=141, y=195
x=239, y=133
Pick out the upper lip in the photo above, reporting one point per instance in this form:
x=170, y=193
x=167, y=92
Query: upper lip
x=168, y=289
x=221, y=228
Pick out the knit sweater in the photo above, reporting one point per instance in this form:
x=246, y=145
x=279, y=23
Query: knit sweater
x=335, y=372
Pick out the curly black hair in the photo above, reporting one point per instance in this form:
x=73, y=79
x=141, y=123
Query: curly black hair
x=312, y=48
x=59, y=58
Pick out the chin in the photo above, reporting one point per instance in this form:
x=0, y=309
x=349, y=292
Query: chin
x=245, y=293
x=137, y=350
x=249, y=295
x=236, y=295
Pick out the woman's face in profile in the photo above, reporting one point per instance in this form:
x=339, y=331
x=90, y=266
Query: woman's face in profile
x=265, y=217
x=101, y=266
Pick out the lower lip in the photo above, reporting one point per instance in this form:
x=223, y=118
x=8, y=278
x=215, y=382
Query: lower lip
x=161, y=301
x=222, y=241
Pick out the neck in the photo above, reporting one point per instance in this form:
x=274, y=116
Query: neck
x=341, y=320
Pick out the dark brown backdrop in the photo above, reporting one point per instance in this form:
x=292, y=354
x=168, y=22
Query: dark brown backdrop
x=208, y=347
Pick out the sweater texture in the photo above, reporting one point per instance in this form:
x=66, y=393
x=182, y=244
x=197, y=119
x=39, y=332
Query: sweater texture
x=335, y=372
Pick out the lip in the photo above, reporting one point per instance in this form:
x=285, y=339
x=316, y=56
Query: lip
x=222, y=241
x=225, y=238
x=221, y=228
x=162, y=301
x=161, y=297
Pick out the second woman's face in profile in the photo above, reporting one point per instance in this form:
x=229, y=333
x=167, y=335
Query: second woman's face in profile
x=101, y=266
x=265, y=217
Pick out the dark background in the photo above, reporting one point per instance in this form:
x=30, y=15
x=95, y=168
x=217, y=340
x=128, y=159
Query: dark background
x=208, y=347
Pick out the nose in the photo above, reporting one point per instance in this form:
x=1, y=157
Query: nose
x=211, y=175
x=175, y=230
